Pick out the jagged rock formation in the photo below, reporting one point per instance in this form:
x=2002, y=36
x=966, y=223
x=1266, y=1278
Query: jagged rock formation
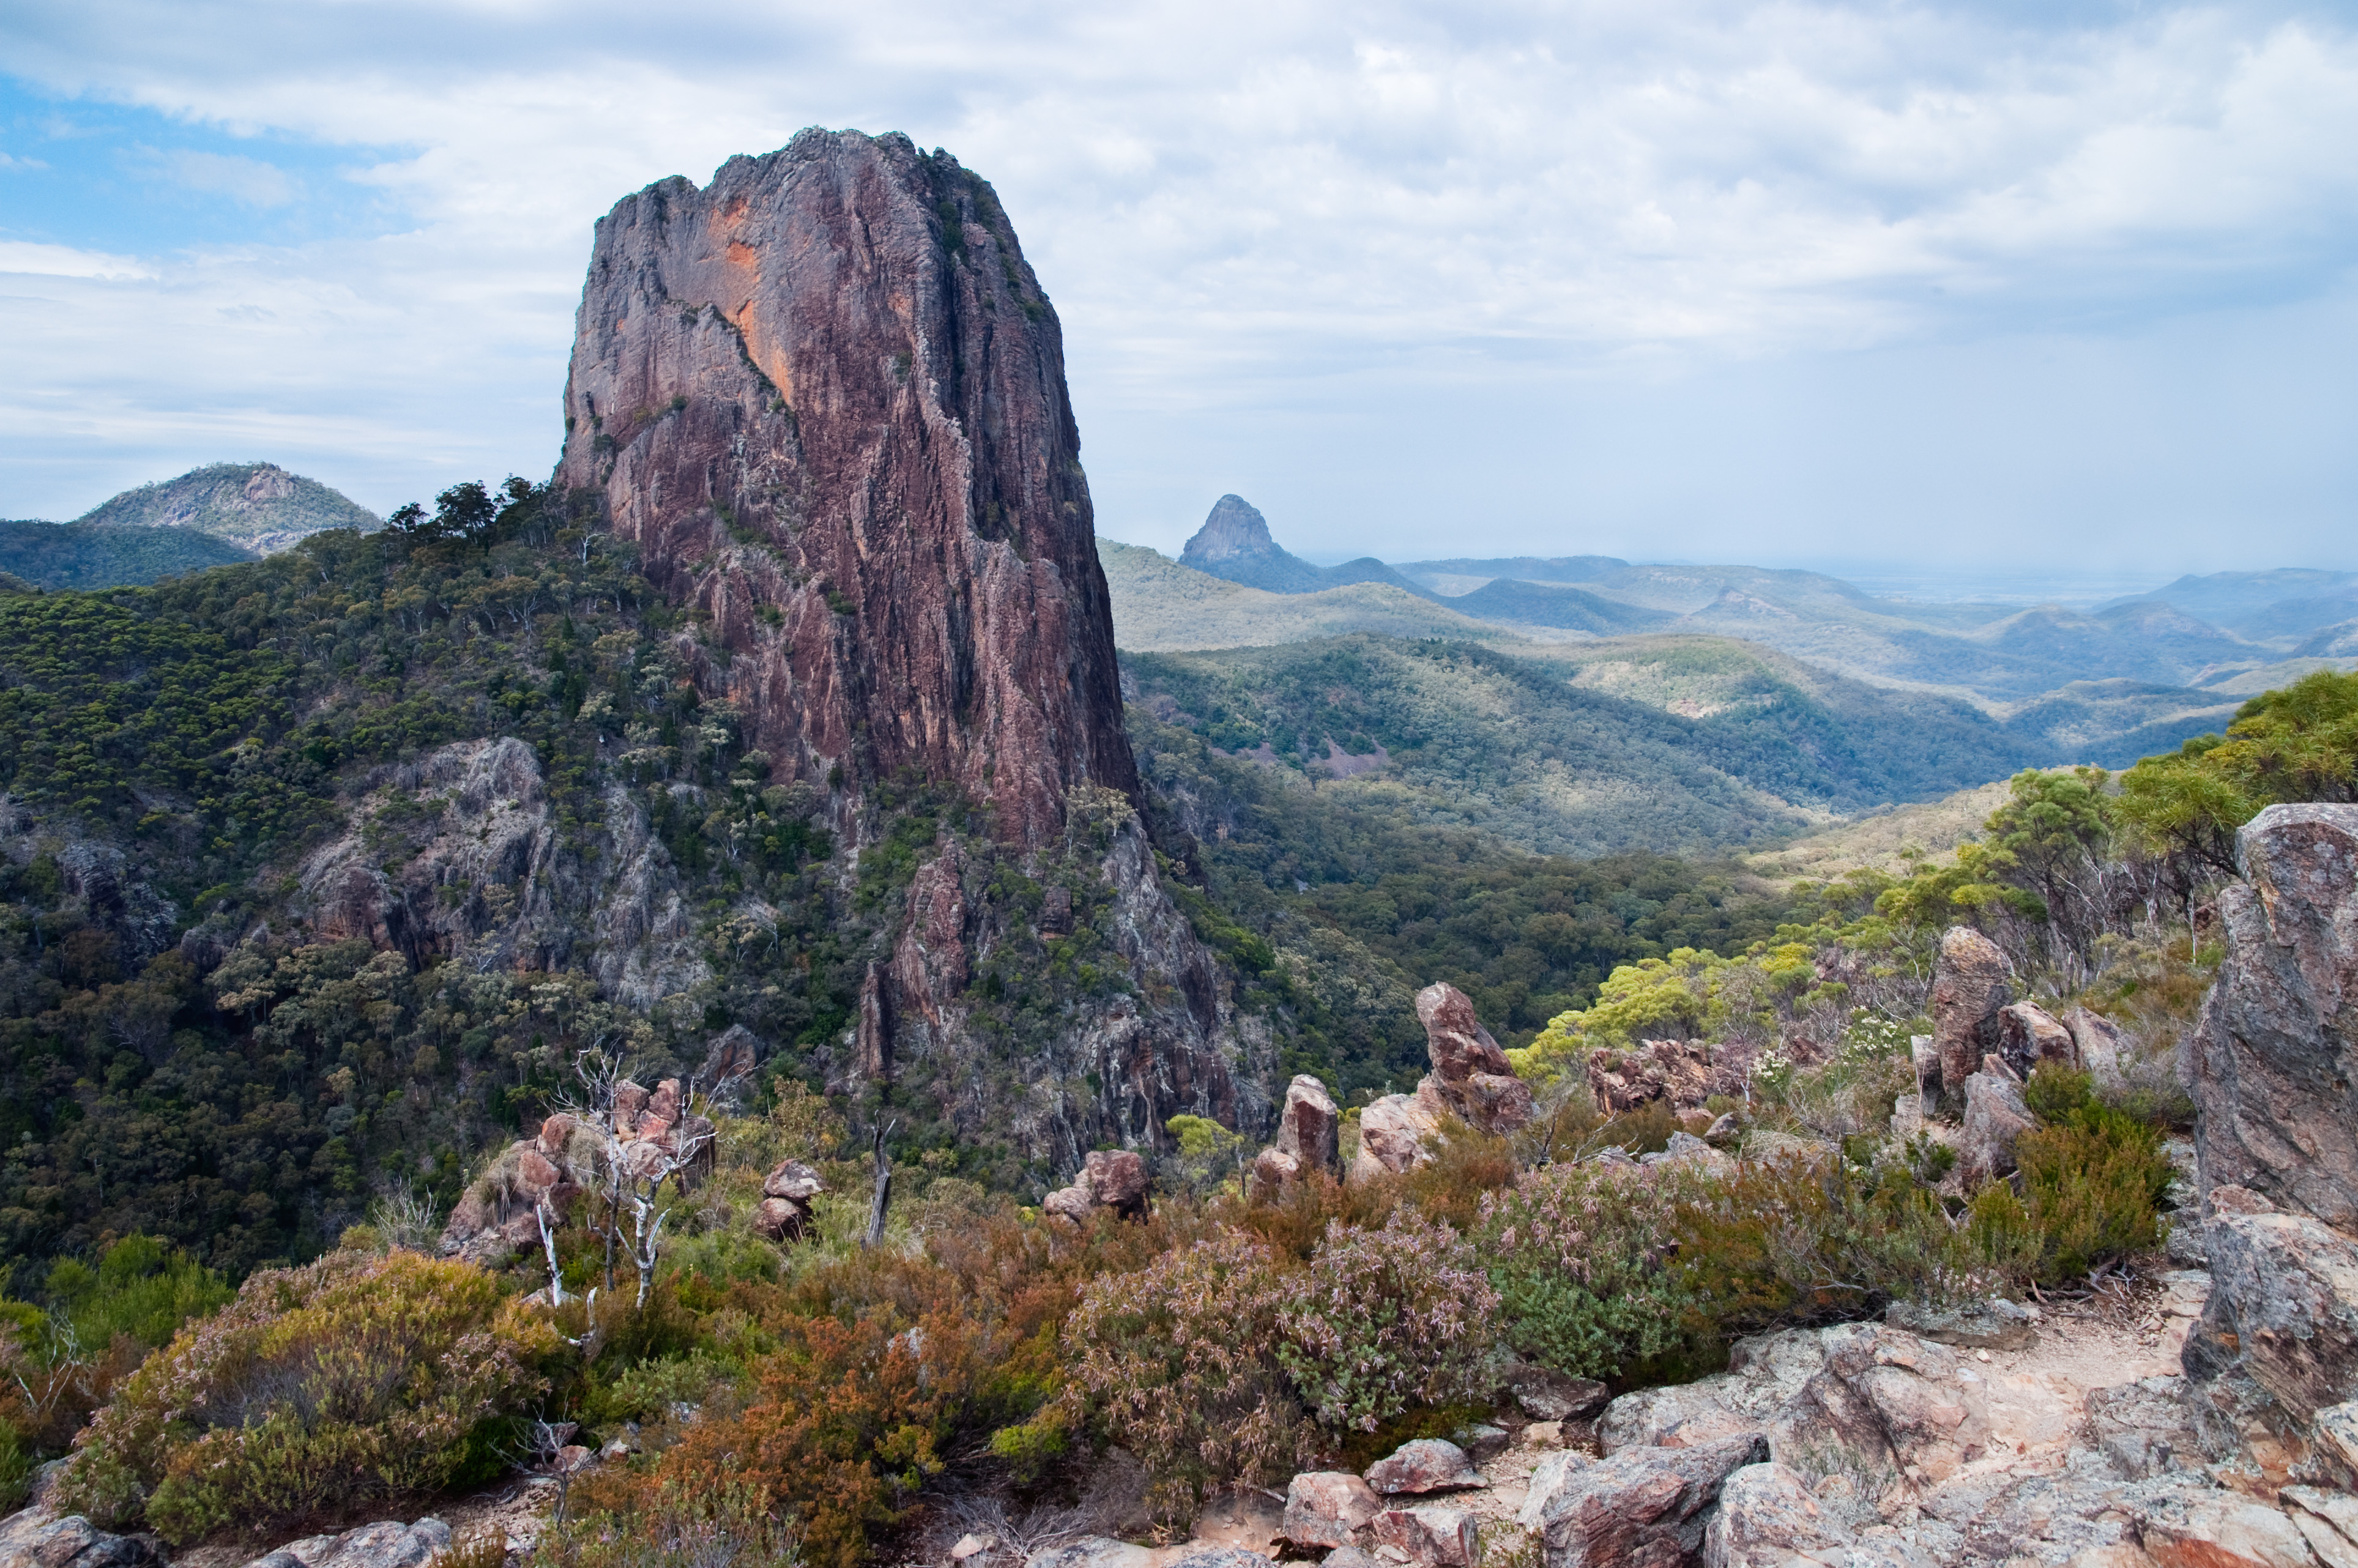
x=1679, y=1071
x=1112, y=1179
x=2272, y=1062
x=824, y=396
x=1309, y=1138
x=1471, y=1081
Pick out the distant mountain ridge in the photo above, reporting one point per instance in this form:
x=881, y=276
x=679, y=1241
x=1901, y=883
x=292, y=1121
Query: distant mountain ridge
x=260, y=506
x=207, y=517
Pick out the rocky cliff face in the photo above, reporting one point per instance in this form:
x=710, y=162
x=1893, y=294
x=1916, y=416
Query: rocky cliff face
x=823, y=396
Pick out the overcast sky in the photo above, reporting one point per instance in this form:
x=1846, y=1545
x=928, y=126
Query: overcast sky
x=2060, y=286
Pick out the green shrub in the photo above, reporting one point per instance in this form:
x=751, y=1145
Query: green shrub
x=2091, y=1189
x=1177, y=1359
x=1385, y=1320
x=647, y=1391
x=1585, y=1282
x=316, y=1391
x=16, y=1469
x=142, y=1287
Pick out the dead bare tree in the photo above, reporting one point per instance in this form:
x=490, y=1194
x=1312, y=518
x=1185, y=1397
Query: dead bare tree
x=883, y=1186
x=634, y=1160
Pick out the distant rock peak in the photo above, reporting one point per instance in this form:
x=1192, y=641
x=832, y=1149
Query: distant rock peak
x=1235, y=531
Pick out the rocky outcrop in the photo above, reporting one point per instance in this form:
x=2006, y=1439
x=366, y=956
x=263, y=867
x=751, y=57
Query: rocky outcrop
x=1112, y=1179
x=1470, y=1073
x=1767, y=1518
x=1235, y=543
x=1327, y=1509
x=37, y=1538
x=2030, y=1037
x=388, y=1543
x=1430, y=1535
x=1646, y=1508
x=1309, y=1138
x=2277, y=1342
x=1971, y=983
x=1396, y=1134
x=2272, y=1063
x=823, y=398
x=1427, y=1464
x=646, y=1132
x=787, y=1194
x=1679, y=1071
x=1996, y=1114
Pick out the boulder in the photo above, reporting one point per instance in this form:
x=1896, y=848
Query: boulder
x=1995, y=1323
x=1273, y=1170
x=2031, y=1037
x=1765, y=1518
x=1969, y=985
x=1470, y=1073
x=1310, y=1126
x=1433, y=1535
x=388, y=1543
x=2099, y=1042
x=1116, y=1179
x=1094, y=1552
x=2278, y=1341
x=1643, y=1507
x=1328, y=1508
x=1427, y=1464
x=1483, y=1442
x=1347, y=1557
x=730, y=1058
x=1394, y=1136
x=1995, y=1117
x=780, y=1219
x=2143, y=1429
x=2187, y=1528
x=1545, y=1394
x=1221, y=1557
x=2272, y=1053
x=1072, y=1204
x=793, y=1181
x=630, y=1102
x=1686, y=1150
x=36, y=1538
x=1679, y=1071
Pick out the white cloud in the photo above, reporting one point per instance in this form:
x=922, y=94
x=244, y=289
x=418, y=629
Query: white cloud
x=1331, y=214
x=63, y=260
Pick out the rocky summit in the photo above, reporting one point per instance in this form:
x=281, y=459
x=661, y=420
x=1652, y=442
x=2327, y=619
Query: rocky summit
x=825, y=397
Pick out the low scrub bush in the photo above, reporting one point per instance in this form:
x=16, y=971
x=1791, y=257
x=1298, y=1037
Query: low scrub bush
x=317, y=1390
x=2091, y=1183
x=1581, y=1258
x=676, y=1526
x=1176, y=1360
x=1384, y=1320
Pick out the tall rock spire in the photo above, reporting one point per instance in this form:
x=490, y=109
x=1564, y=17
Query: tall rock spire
x=825, y=397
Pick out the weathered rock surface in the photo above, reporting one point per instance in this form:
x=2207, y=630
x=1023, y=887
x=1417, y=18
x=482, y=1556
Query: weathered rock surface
x=1970, y=984
x=2030, y=1037
x=1993, y=1324
x=1767, y=1518
x=388, y=1543
x=1679, y=1071
x=36, y=1538
x=1112, y=1179
x=1470, y=1073
x=1328, y=1508
x=1309, y=1125
x=2277, y=1342
x=1432, y=1535
x=499, y=1214
x=1643, y=1507
x=823, y=397
x=2219, y=1529
x=1427, y=1464
x=1094, y=1552
x=787, y=1194
x=1545, y=1394
x=1395, y=1134
x=2272, y=1061
x=1995, y=1117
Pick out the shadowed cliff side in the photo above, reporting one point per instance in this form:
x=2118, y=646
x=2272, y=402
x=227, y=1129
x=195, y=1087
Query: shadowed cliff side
x=825, y=397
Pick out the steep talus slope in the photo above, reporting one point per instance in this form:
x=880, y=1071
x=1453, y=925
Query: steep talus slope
x=825, y=397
